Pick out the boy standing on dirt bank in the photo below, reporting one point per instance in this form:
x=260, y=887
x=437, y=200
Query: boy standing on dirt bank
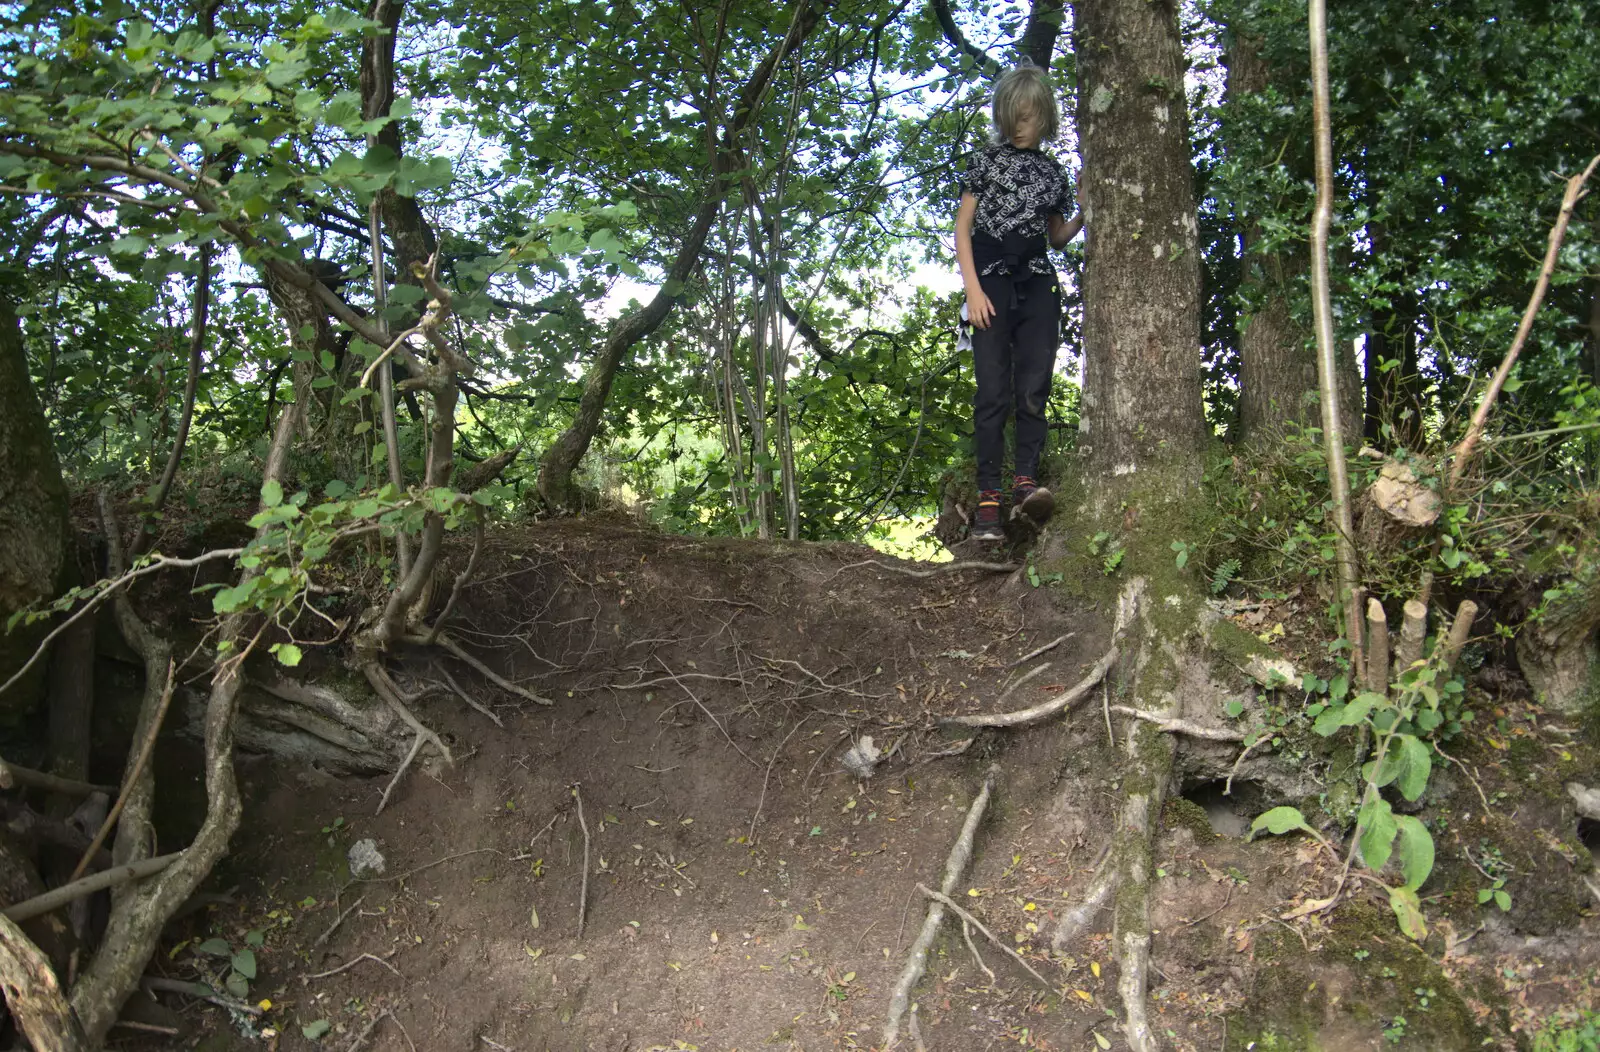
x=1014, y=200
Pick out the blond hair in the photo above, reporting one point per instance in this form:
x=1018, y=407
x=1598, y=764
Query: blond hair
x=1025, y=89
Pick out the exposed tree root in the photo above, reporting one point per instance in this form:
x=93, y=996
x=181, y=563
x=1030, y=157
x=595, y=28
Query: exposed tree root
x=485, y=671
x=395, y=698
x=955, y=865
x=950, y=904
x=1044, y=709
x=1126, y=876
x=937, y=571
x=12, y=776
x=405, y=764
x=55, y=898
x=1173, y=725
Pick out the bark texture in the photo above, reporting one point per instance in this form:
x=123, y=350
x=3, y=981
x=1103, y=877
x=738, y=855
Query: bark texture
x=33, y=516
x=1141, y=328
x=1560, y=652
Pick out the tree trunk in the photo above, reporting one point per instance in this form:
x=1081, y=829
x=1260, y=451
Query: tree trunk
x=1141, y=326
x=33, y=517
x=1277, y=363
x=560, y=461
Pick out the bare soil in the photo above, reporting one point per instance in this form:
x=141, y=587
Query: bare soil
x=745, y=892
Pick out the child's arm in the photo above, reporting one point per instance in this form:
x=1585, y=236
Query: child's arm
x=1064, y=230
x=979, y=309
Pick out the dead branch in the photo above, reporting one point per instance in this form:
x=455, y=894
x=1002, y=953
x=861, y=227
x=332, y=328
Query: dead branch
x=1173, y=725
x=1462, y=456
x=107, y=590
x=367, y=1031
x=938, y=571
x=145, y=749
x=55, y=898
x=337, y=921
x=1460, y=631
x=955, y=865
x=384, y=960
x=950, y=904
x=583, y=888
x=1376, y=678
x=12, y=776
x=34, y=995
x=1413, y=633
x=202, y=991
x=1030, y=655
x=1034, y=714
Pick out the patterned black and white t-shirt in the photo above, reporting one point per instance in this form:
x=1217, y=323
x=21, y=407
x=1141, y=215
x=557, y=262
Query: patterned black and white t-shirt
x=1017, y=191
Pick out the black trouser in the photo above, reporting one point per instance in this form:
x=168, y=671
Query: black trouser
x=1013, y=360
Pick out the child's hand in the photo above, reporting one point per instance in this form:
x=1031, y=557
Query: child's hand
x=979, y=310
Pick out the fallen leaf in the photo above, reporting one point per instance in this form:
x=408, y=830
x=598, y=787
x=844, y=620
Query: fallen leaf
x=533, y=916
x=533, y=953
x=800, y=923
x=1102, y=1042
x=1085, y=995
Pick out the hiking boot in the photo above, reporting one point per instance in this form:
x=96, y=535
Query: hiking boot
x=1031, y=499
x=986, y=523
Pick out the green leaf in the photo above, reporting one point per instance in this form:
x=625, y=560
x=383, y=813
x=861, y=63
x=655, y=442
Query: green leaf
x=237, y=985
x=1408, y=911
x=1234, y=708
x=215, y=948
x=287, y=654
x=315, y=1031
x=244, y=962
x=1416, y=850
x=1378, y=831
x=1337, y=716
x=1503, y=900
x=271, y=493
x=1280, y=820
x=1415, y=762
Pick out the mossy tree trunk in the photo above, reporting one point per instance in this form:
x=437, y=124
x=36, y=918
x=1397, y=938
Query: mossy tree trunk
x=33, y=515
x=1143, y=424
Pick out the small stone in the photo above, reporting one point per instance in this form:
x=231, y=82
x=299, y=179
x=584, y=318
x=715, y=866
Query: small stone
x=861, y=759
x=365, y=858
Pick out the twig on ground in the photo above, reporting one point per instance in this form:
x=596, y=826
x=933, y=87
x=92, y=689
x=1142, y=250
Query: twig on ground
x=583, y=888
x=709, y=715
x=951, y=905
x=1200, y=920
x=1016, y=684
x=957, y=749
x=408, y=874
x=1045, y=708
x=131, y=778
x=1173, y=725
x=399, y=772
x=106, y=878
x=497, y=1046
x=340, y=919
x=202, y=991
x=147, y=1028
x=762, y=799
x=955, y=865
x=1030, y=655
x=367, y=1031
x=966, y=937
x=938, y=571
x=355, y=961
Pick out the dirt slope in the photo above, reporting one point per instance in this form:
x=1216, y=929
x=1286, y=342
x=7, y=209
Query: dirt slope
x=744, y=891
